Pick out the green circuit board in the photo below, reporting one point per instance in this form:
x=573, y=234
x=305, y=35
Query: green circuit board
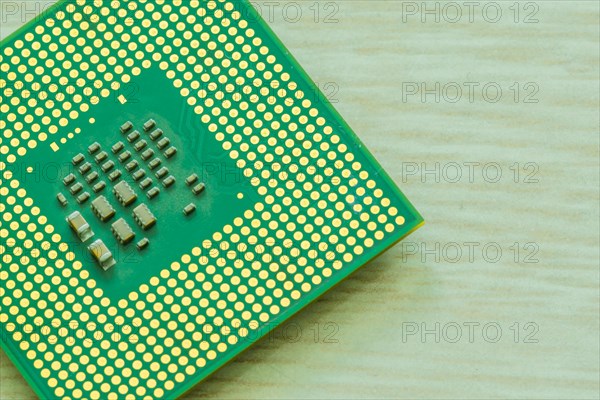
x=172, y=187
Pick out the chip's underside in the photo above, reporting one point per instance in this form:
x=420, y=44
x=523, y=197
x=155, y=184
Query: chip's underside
x=173, y=186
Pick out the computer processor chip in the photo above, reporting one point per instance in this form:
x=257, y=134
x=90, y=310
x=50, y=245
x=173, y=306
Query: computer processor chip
x=261, y=196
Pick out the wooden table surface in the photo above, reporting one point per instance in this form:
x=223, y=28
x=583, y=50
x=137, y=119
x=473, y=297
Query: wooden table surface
x=498, y=295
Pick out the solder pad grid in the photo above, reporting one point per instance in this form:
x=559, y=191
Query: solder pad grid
x=314, y=225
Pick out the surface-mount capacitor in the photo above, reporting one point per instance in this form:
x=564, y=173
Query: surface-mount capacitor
x=199, y=188
x=80, y=226
x=101, y=157
x=149, y=125
x=170, y=152
x=102, y=254
x=189, y=209
x=98, y=187
x=83, y=197
x=131, y=165
x=152, y=193
x=124, y=156
x=69, y=179
x=62, y=200
x=146, y=154
x=117, y=147
x=107, y=166
x=113, y=176
x=93, y=148
x=76, y=188
x=161, y=173
x=145, y=183
x=168, y=181
x=156, y=134
x=85, y=168
x=126, y=127
x=155, y=163
x=78, y=159
x=190, y=180
x=142, y=244
x=139, y=174
x=133, y=136
x=162, y=143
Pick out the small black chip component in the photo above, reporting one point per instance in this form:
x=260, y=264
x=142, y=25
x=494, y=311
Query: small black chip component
x=190, y=180
x=76, y=188
x=146, y=183
x=161, y=173
x=155, y=163
x=170, y=152
x=156, y=134
x=124, y=156
x=78, y=159
x=122, y=231
x=139, y=146
x=101, y=157
x=80, y=226
x=126, y=127
x=147, y=154
x=162, y=143
x=130, y=166
x=85, y=168
x=69, y=179
x=102, y=254
x=83, y=197
x=189, y=209
x=91, y=177
x=93, y=148
x=168, y=181
x=117, y=147
x=149, y=125
x=113, y=176
x=62, y=200
x=142, y=244
x=139, y=174
x=107, y=166
x=152, y=193
x=199, y=188
x=144, y=217
x=133, y=136
x=102, y=208
x=124, y=193
x=98, y=187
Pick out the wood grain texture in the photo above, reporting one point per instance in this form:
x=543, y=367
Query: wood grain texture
x=370, y=54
